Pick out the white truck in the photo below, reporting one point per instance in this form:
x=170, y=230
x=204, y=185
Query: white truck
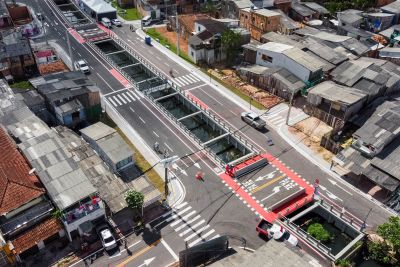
x=154, y=15
x=82, y=66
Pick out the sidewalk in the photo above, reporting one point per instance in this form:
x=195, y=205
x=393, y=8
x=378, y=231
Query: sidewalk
x=296, y=116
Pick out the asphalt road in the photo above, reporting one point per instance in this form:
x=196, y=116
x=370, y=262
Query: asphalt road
x=220, y=208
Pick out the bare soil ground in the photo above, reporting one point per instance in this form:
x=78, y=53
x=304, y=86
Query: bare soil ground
x=311, y=131
x=171, y=36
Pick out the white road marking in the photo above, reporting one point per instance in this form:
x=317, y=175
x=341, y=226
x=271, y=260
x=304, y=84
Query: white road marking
x=184, y=218
x=140, y=118
x=192, y=228
x=116, y=100
x=169, y=250
x=198, y=86
x=201, y=238
x=187, y=224
x=112, y=102
x=168, y=147
x=212, y=97
x=132, y=109
x=105, y=81
x=155, y=134
x=127, y=98
x=79, y=54
x=197, y=233
x=166, y=64
x=122, y=99
x=134, y=93
x=181, y=205
x=131, y=96
x=157, y=57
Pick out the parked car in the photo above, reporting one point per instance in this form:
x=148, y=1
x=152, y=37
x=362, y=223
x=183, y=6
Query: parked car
x=82, y=66
x=106, y=22
x=116, y=22
x=253, y=119
x=147, y=20
x=107, y=239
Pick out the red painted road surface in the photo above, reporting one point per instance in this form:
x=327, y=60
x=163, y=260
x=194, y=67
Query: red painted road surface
x=284, y=210
x=76, y=35
x=195, y=99
x=120, y=78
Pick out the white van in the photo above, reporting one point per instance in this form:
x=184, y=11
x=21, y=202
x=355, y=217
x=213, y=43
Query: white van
x=106, y=22
x=146, y=21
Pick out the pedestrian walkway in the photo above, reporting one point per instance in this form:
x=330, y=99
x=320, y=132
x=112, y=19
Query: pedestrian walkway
x=187, y=223
x=186, y=80
x=122, y=97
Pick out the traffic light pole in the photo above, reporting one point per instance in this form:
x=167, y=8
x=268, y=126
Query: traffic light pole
x=167, y=162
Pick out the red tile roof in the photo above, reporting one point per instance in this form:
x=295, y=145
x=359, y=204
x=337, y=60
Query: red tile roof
x=188, y=21
x=42, y=231
x=17, y=187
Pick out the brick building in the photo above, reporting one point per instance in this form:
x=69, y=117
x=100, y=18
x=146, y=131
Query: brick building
x=259, y=21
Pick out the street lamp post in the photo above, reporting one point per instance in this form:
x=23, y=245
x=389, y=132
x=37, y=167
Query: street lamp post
x=290, y=107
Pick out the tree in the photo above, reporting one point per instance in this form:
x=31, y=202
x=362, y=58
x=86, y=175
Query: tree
x=57, y=213
x=390, y=231
x=209, y=8
x=134, y=199
x=344, y=263
x=317, y=231
x=231, y=44
x=382, y=252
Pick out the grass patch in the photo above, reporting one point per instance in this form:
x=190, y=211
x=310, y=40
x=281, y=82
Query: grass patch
x=140, y=161
x=22, y=85
x=164, y=41
x=131, y=13
x=236, y=91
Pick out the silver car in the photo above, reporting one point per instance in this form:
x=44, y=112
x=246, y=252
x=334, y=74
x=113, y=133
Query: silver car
x=253, y=119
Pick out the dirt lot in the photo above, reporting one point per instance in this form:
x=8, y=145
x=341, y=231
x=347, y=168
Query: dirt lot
x=310, y=131
x=230, y=77
x=171, y=36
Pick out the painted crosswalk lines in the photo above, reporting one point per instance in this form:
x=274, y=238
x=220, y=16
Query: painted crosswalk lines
x=187, y=223
x=122, y=98
x=186, y=80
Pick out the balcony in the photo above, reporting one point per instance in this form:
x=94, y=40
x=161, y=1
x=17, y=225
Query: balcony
x=82, y=210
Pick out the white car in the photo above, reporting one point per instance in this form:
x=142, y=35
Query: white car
x=82, y=66
x=116, y=22
x=107, y=239
x=253, y=119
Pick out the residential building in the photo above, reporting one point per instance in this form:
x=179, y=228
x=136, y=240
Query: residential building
x=287, y=25
x=5, y=18
x=187, y=24
x=391, y=54
x=301, y=13
x=16, y=56
x=334, y=104
x=47, y=61
x=259, y=21
x=206, y=46
x=375, y=150
x=320, y=11
x=283, y=5
x=350, y=17
x=109, y=145
x=98, y=9
x=277, y=81
x=379, y=21
x=231, y=8
x=25, y=213
x=393, y=8
x=71, y=97
x=375, y=77
x=296, y=61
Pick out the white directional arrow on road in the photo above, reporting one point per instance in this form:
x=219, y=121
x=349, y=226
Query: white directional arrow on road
x=275, y=190
x=197, y=165
x=267, y=176
x=146, y=262
x=184, y=172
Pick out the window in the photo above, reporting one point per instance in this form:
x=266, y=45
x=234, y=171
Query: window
x=198, y=28
x=246, y=17
x=266, y=58
x=192, y=54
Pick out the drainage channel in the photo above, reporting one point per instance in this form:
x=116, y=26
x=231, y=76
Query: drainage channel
x=72, y=13
x=221, y=142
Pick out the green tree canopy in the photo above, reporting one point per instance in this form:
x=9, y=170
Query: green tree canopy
x=318, y=231
x=231, y=43
x=134, y=199
x=390, y=231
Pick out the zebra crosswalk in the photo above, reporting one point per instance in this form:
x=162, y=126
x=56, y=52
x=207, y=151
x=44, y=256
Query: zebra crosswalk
x=276, y=119
x=186, y=80
x=123, y=97
x=187, y=223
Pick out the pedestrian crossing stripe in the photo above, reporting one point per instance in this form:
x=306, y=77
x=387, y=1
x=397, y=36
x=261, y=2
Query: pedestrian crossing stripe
x=116, y=100
x=123, y=98
x=190, y=226
x=186, y=80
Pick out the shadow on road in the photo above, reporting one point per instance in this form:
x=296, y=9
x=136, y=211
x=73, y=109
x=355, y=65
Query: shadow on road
x=151, y=235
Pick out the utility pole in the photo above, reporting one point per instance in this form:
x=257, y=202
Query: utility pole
x=70, y=50
x=177, y=30
x=167, y=163
x=364, y=224
x=290, y=107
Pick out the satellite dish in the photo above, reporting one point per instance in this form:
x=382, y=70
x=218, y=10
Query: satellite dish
x=32, y=171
